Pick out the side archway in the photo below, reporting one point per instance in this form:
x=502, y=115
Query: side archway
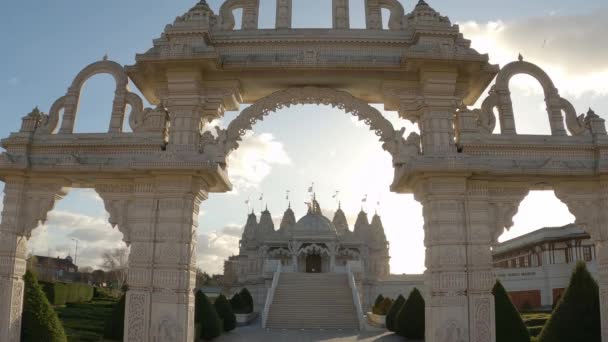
x=227, y=141
x=500, y=98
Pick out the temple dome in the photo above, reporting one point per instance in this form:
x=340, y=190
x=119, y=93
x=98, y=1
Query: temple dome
x=314, y=223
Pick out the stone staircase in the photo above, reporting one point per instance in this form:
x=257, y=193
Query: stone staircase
x=313, y=301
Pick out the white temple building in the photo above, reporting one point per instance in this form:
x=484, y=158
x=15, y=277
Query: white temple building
x=313, y=247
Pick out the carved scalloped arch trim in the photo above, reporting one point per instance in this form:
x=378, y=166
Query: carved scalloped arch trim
x=311, y=95
x=521, y=67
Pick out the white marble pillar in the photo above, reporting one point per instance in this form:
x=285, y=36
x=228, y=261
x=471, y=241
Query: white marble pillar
x=160, y=224
x=284, y=13
x=26, y=204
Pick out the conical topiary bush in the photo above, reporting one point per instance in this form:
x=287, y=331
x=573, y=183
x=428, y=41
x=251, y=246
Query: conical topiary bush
x=247, y=300
x=577, y=315
x=377, y=302
x=393, y=311
x=410, y=320
x=509, y=325
x=236, y=303
x=206, y=316
x=39, y=320
x=115, y=324
x=382, y=308
x=222, y=306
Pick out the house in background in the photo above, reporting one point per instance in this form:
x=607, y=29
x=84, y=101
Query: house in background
x=53, y=269
x=535, y=268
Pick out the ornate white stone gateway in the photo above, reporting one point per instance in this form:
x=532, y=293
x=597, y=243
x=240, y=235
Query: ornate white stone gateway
x=469, y=179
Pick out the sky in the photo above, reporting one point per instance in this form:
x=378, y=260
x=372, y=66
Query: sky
x=46, y=43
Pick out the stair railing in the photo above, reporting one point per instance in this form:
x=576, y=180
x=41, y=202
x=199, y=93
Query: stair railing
x=356, y=297
x=270, y=295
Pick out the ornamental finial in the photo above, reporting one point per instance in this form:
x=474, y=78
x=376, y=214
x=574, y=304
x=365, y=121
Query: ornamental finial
x=520, y=57
x=105, y=57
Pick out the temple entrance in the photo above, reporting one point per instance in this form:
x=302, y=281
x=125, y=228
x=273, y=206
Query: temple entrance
x=313, y=263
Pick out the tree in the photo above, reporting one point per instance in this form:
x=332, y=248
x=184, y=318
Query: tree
x=577, y=315
x=115, y=261
x=509, y=325
x=222, y=306
x=206, y=316
x=410, y=320
x=383, y=307
x=247, y=300
x=39, y=320
x=393, y=311
x=115, y=324
x=98, y=277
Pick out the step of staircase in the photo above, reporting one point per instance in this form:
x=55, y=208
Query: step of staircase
x=313, y=301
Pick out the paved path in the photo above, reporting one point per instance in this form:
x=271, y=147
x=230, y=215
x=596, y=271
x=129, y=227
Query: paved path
x=255, y=333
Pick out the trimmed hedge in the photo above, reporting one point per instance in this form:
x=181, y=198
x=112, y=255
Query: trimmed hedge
x=79, y=293
x=222, y=306
x=247, y=301
x=206, y=315
x=56, y=293
x=577, y=315
x=410, y=320
x=39, y=320
x=62, y=293
x=115, y=324
x=236, y=303
x=392, y=313
x=383, y=308
x=509, y=325
x=378, y=300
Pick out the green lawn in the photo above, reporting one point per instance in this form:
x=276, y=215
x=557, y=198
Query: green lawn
x=84, y=322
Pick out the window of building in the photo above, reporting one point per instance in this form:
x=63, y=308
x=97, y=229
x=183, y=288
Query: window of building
x=587, y=254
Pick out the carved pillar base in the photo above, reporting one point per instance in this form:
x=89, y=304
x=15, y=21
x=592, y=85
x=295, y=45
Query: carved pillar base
x=160, y=222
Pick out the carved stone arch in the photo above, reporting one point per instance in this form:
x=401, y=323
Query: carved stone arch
x=392, y=141
x=69, y=102
x=118, y=201
x=500, y=97
x=250, y=14
x=373, y=14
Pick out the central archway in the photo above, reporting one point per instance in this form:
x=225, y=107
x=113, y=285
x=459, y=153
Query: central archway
x=392, y=140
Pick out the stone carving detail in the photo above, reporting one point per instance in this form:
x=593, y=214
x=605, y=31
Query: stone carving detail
x=341, y=14
x=168, y=329
x=451, y=333
x=373, y=14
x=217, y=148
x=313, y=249
x=284, y=13
x=250, y=14
x=47, y=124
x=500, y=98
x=136, y=313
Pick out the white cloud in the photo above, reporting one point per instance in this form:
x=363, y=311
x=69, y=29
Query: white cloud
x=95, y=235
x=255, y=158
x=571, y=48
x=215, y=247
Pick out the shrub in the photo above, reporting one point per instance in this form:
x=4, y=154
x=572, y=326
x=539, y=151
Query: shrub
x=577, y=315
x=206, y=315
x=79, y=293
x=222, y=306
x=393, y=311
x=247, y=301
x=383, y=308
x=56, y=293
x=410, y=320
x=377, y=302
x=509, y=325
x=236, y=303
x=115, y=324
x=39, y=320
